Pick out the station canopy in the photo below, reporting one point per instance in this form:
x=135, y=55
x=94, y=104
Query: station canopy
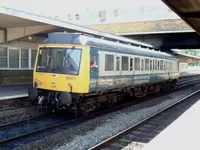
x=188, y=10
x=16, y=24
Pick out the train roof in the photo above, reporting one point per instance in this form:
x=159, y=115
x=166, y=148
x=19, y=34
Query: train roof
x=79, y=39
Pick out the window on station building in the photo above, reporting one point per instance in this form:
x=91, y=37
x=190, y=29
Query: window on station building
x=142, y=9
x=77, y=16
x=13, y=58
x=137, y=64
x=102, y=20
x=146, y=64
x=24, y=58
x=131, y=64
x=100, y=14
x=33, y=56
x=69, y=17
x=125, y=63
x=3, y=57
x=115, y=12
x=109, y=62
x=117, y=63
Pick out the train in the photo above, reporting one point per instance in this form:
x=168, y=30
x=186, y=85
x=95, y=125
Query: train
x=81, y=73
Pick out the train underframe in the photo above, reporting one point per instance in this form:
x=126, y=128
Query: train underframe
x=79, y=104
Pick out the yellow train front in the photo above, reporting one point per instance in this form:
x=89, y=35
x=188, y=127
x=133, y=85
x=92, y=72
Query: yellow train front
x=61, y=72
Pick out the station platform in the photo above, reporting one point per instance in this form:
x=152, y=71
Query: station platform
x=14, y=91
x=189, y=73
x=20, y=91
x=182, y=134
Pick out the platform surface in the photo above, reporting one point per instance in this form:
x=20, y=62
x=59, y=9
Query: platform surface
x=182, y=134
x=19, y=91
x=189, y=73
x=16, y=91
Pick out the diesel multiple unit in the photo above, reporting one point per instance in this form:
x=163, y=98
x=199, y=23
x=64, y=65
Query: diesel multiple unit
x=77, y=72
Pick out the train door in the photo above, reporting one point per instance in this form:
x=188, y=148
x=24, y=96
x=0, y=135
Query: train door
x=94, y=68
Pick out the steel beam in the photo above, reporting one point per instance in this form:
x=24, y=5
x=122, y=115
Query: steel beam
x=16, y=33
x=67, y=25
x=191, y=15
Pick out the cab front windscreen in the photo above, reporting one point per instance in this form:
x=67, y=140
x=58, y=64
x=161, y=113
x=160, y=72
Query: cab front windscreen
x=59, y=60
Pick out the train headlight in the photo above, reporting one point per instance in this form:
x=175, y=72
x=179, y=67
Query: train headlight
x=37, y=82
x=53, y=84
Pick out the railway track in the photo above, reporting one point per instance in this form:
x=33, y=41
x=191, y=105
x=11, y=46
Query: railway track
x=16, y=110
x=144, y=131
x=23, y=129
x=17, y=106
x=32, y=127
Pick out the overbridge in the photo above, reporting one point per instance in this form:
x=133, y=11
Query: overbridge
x=163, y=34
x=169, y=31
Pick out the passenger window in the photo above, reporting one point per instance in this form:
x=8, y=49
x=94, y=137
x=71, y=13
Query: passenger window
x=168, y=67
x=164, y=65
x=171, y=66
x=117, y=63
x=109, y=62
x=142, y=64
x=155, y=64
x=158, y=65
x=137, y=64
x=124, y=63
x=161, y=65
x=92, y=61
x=177, y=66
x=92, y=58
x=151, y=65
x=131, y=64
x=146, y=64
